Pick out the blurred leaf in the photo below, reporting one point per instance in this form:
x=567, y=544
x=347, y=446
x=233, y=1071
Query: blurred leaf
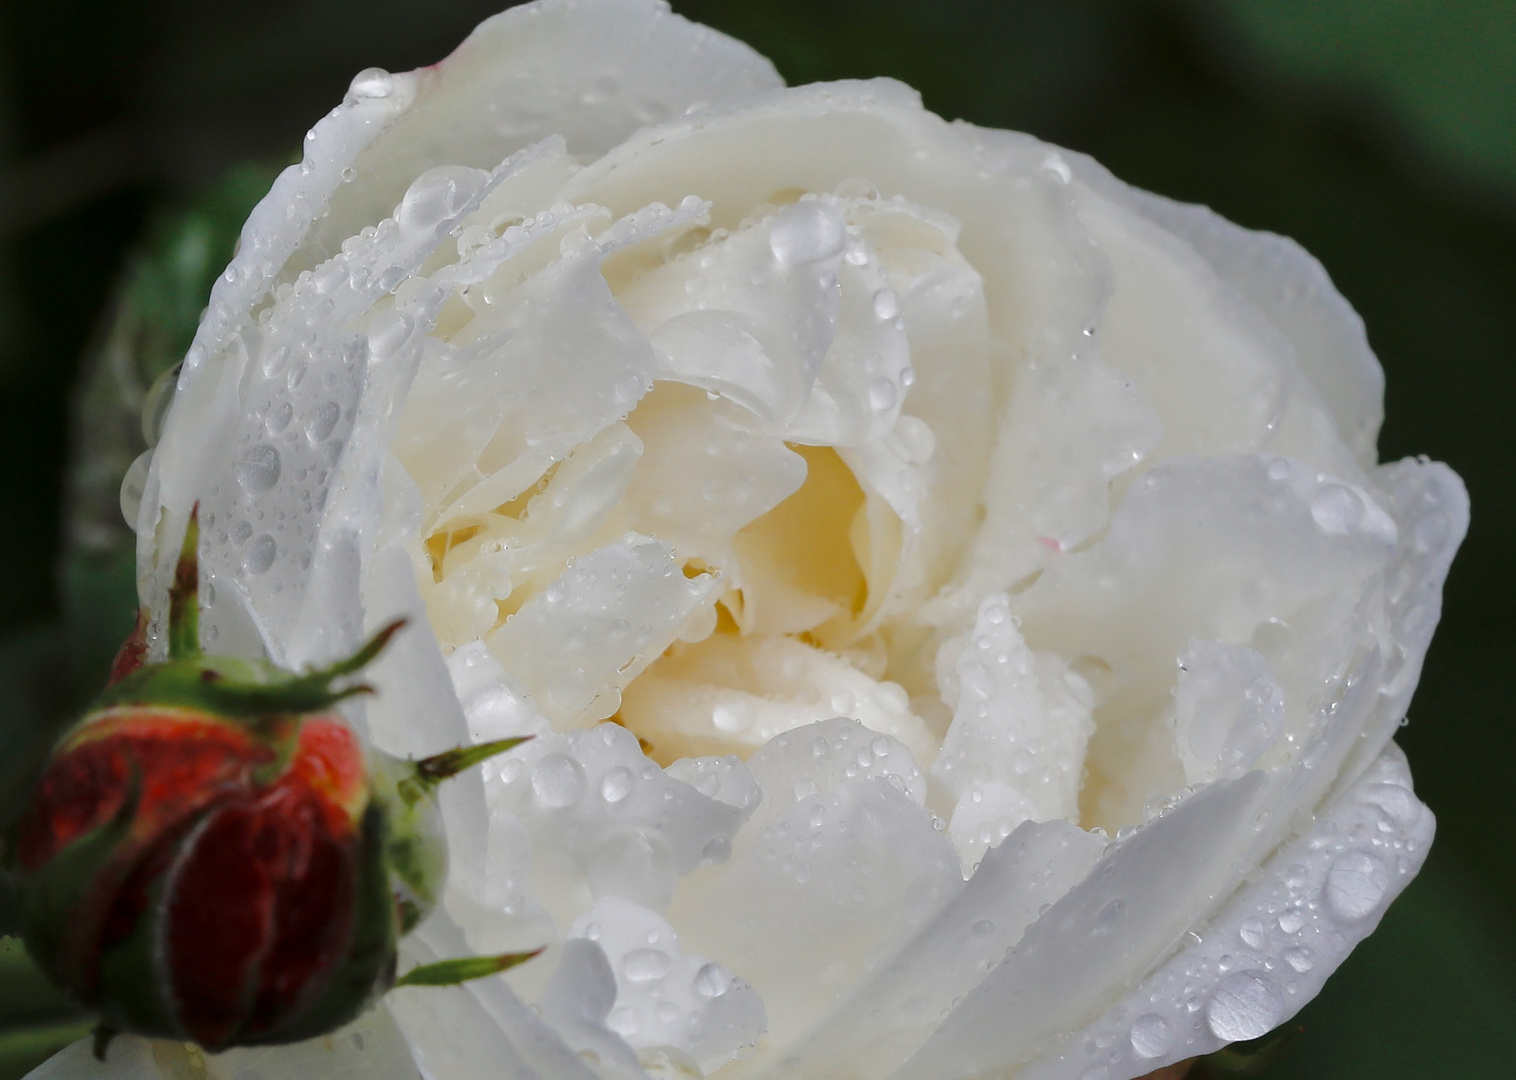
x=36, y=1020
x=1444, y=69
x=150, y=327
x=1245, y=1058
x=33, y=679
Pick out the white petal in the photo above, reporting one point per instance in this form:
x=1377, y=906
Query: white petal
x=1271, y=947
x=702, y=476
x=601, y=819
x=830, y=888
x=1288, y=285
x=1015, y=749
x=577, y=1002
x=476, y=1030
x=575, y=645
x=665, y=997
x=731, y=695
x=1220, y=549
x=1221, y=376
x=592, y=71
x=1108, y=930
x=892, y=1011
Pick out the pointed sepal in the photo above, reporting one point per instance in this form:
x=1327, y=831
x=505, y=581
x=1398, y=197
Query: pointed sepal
x=184, y=595
x=431, y=771
x=462, y=970
x=103, y=1035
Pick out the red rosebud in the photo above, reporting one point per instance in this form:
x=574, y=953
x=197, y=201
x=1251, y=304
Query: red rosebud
x=210, y=855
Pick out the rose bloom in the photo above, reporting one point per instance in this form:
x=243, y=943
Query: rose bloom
x=959, y=610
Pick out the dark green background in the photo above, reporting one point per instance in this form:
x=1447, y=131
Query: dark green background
x=1379, y=133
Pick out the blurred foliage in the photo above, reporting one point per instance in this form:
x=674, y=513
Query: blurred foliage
x=1380, y=135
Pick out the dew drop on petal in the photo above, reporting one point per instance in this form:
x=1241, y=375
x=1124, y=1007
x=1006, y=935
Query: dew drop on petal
x=1253, y=933
x=372, y=82
x=1151, y=1036
x=1299, y=958
x=558, y=781
x=807, y=232
x=1245, y=1006
x=616, y=784
x=1337, y=509
x=133, y=484
x=646, y=965
x=259, y=468
x=711, y=981
x=259, y=554
x=1355, y=885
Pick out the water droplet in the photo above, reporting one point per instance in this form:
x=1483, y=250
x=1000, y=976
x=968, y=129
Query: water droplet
x=1244, y=1006
x=883, y=394
x=1337, y=509
x=558, y=780
x=1253, y=933
x=259, y=468
x=279, y=417
x=982, y=928
x=372, y=82
x=807, y=232
x=259, y=554
x=1355, y=885
x=1299, y=958
x=155, y=404
x=133, y=484
x=718, y=849
x=1110, y=915
x=624, y=1021
x=886, y=304
x=711, y=981
x=646, y=965
x=387, y=333
x=616, y=784
x=1151, y=1036
x=322, y=420
x=436, y=196
x=1291, y=920
x=1279, y=469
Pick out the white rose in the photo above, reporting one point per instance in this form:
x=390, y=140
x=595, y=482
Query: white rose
x=992, y=558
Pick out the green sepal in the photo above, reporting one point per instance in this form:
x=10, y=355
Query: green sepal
x=431, y=771
x=102, y=1040
x=49, y=898
x=417, y=848
x=367, y=969
x=34, y=1012
x=243, y=689
x=416, y=852
x=184, y=595
x=133, y=993
x=453, y=972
